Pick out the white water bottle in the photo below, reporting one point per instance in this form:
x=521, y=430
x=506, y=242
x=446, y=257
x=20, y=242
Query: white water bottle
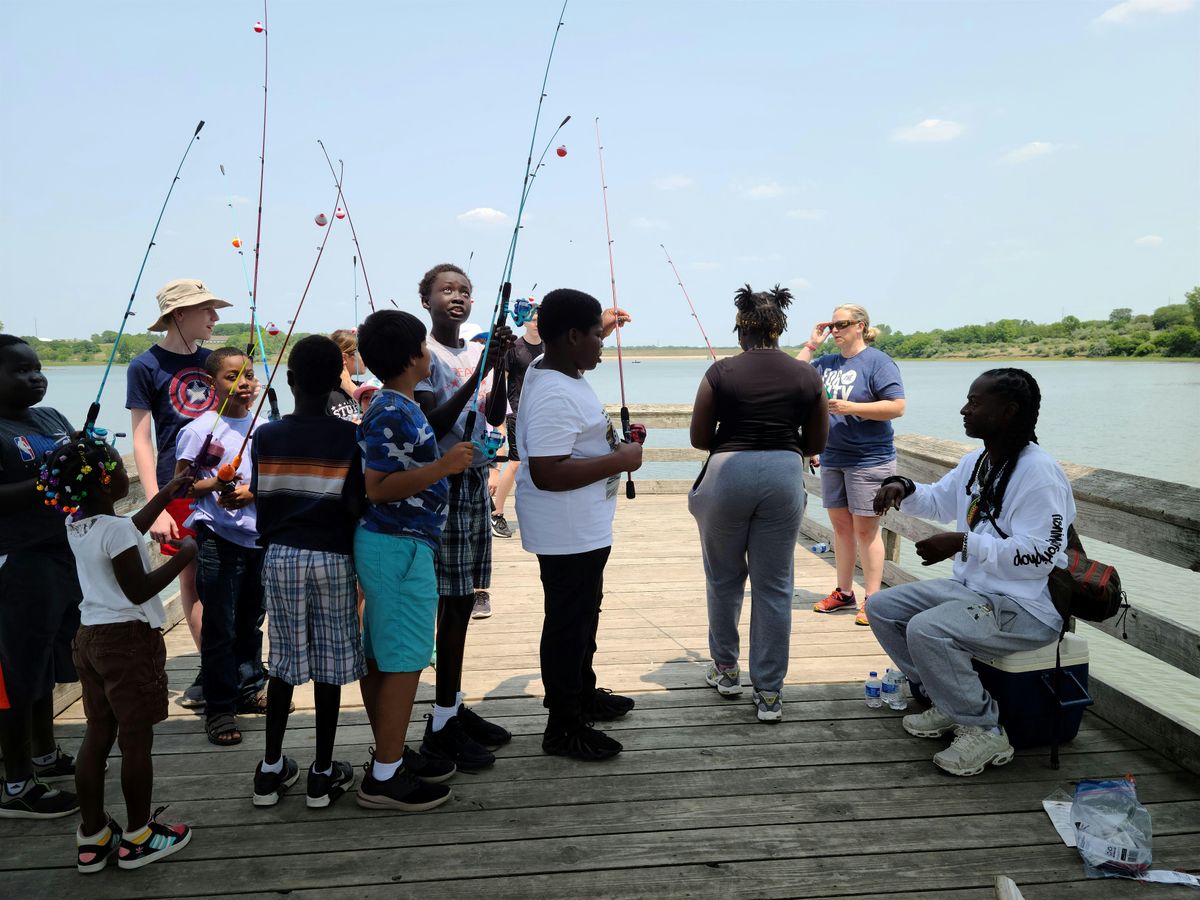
x=893, y=689
x=873, y=691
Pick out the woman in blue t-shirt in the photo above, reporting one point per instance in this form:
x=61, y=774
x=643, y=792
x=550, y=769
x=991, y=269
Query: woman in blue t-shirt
x=865, y=393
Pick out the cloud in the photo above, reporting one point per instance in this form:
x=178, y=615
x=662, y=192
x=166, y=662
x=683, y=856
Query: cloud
x=647, y=223
x=1148, y=240
x=928, y=131
x=764, y=191
x=483, y=215
x=808, y=215
x=673, y=183
x=1128, y=10
x=799, y=284
x=1026, y=152
x=239, y=200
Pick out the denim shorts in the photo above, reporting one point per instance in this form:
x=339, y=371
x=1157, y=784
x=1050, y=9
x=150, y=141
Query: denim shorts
x=401, y=596
x=854, y=488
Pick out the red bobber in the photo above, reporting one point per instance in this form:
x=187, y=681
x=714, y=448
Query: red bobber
x=562, y=150
x=237, y=242
x=272, y=329
x=340, y=213
x=258, y=28
x=321, y=220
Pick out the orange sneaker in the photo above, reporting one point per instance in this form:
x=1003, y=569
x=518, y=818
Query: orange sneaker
x=836, y=600
x=861, y=617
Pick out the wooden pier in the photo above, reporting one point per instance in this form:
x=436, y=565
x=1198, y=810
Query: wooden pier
x=705, y=801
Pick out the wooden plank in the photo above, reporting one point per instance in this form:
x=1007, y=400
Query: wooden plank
x=1170, y=737
x=1173, y=642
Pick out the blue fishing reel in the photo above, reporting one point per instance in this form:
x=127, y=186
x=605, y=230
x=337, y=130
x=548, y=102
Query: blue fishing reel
x=524, y=310
x=492, y=442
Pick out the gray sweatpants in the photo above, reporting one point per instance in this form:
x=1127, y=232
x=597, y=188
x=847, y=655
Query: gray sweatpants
x=931, y=629
x=749, y=506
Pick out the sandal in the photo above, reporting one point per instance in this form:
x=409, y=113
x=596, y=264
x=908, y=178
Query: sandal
x=222, y=730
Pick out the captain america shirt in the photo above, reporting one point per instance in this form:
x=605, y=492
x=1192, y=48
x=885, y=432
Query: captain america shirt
x=175, y=389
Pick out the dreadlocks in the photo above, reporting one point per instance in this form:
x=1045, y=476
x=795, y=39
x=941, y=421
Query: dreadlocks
x=762, y=312
x=1019, y=387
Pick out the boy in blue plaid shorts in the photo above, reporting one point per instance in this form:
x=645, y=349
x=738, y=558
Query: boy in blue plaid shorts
x=307, y=482
x=455, y=732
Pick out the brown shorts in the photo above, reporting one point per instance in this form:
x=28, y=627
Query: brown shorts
x=122, y=668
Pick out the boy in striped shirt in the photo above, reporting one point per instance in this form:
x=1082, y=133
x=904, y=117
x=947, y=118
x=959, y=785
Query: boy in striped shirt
x=307, y=482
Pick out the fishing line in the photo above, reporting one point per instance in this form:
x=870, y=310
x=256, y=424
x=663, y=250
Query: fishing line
x=679, y=281
x=228, y=472
x=89, y=426
x=255, y=328
x=357, y=362
x=353, y=234
x=630, y=432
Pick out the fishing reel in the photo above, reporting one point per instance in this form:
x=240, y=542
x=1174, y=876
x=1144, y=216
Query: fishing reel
x=491, y=443
x=227, y=479
x=637, y=433
x=523, y=311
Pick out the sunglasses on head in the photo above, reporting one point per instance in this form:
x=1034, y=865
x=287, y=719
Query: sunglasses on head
x=842, y=325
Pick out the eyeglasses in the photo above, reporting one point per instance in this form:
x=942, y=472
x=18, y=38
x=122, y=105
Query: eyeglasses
x=842, y=325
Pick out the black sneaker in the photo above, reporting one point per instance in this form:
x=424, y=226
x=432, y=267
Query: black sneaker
x=93, y=857
x=63, y=766
x=579, y=741
x=402, y=791
x=269, y=786
x=193, y=697
x=480, y=730
x=163, y=840
x=324, y=789
x=427, y=768
x=36, y=801
x=500, y=526
x=604, y=706
x=453, y=744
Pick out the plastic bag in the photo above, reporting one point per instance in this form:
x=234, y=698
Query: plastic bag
x=1112, y=830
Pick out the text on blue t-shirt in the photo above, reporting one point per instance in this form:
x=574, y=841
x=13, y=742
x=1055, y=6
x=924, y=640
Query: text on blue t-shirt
x=871, y=375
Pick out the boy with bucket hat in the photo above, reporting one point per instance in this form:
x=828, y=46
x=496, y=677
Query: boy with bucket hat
x=167, y=385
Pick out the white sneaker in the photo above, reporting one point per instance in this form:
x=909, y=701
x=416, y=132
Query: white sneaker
x=932, y=723
x=728, y=682
x=973, y=749
x=769, y=706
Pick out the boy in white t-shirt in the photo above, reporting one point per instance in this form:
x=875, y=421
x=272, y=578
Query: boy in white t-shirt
x=566, y=499
x=118, y=650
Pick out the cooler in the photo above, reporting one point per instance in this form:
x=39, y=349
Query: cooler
x=1023, y=686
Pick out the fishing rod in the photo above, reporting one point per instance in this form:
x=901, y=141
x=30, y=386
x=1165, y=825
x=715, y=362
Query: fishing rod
x=679, y=281
x=353, y=234
x=499, y=313
x=228, y=472
x=255, y=328
x=93, y=413
x=357, y=362
x=470, y=257
x=261, y=28
x=631, y=432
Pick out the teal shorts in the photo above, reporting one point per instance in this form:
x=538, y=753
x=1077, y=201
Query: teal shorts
x=399, y=583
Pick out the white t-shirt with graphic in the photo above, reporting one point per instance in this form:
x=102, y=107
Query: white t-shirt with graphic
x=562, y=416
x=451, y=368
x=96, y=541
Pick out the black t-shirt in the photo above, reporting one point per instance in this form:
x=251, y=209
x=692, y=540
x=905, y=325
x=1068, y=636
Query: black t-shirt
x=343, y=406
x=307, y=472
x=23, y=443
x=518, y=360
x=763, y=397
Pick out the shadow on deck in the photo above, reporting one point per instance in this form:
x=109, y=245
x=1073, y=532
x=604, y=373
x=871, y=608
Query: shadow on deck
x=834, y=801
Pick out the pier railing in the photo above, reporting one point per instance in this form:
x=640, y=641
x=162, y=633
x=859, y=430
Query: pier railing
x=1156, y=519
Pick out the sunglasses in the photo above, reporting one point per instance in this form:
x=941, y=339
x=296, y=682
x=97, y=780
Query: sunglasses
x=842, y=325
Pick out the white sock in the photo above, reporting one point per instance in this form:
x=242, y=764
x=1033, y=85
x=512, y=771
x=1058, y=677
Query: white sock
x=328, y=771
x=461, y=698
x=46, y=760
x=82, y=838
x=382, y=771
x=442, y=715
x=273, y=768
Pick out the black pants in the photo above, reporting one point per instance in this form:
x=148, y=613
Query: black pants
x=574, y=585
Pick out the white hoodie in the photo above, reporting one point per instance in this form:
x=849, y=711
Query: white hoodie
x=1037, y=509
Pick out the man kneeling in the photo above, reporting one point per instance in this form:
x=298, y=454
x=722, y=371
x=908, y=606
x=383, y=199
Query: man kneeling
x=1013, y=505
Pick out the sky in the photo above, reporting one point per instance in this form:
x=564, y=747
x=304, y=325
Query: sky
x=940, y=163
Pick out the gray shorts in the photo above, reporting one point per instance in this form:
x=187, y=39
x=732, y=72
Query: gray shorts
x=854, y=488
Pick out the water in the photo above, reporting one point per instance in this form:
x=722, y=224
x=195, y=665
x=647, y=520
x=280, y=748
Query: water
x=873, y=691
x=1137, y=417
